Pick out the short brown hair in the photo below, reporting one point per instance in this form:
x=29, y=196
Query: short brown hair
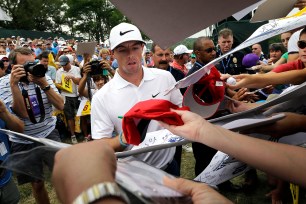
x=22, y=50
x=225, y=32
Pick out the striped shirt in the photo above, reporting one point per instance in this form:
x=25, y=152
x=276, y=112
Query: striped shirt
x=39, y=130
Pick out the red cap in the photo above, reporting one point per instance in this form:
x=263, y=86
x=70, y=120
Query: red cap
x=136, y=120
x=4, y=58
x=204, y=97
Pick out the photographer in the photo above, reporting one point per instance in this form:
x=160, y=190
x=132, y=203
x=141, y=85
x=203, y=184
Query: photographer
x=96, y=82
x=22, y=81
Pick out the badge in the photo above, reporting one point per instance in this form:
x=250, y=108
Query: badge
x=35, y=105
x=235, y=60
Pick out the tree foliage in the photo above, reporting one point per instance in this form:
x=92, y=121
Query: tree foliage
x=40, y=15
x=92, y=18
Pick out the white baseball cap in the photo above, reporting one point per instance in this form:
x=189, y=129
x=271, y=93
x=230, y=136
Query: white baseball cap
x=122, y=33
x=181, y=49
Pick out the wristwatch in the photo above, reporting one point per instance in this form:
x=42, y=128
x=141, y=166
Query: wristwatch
x=100, y=191
x=46, y=88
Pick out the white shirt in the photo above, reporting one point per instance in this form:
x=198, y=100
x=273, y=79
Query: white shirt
x=292, y=43
x=74, y=71
x=118, y=96
x=40, y=130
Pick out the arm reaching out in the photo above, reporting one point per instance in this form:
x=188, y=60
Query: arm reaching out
x=273, y=158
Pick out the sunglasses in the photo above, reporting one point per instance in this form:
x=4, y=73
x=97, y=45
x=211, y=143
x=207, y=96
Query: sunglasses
x=301, y=44
x=4, y=60
x=209, y=50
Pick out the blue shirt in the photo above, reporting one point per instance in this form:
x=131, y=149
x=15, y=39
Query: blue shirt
x=4, y=152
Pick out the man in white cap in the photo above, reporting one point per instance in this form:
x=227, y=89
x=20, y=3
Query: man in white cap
x=71, y=73
x=132, y=83
x=181, y=57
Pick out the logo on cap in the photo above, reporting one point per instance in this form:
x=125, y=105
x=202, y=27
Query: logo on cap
x=123, y=33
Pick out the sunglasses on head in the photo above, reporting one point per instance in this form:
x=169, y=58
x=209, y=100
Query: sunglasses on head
x=301, y=44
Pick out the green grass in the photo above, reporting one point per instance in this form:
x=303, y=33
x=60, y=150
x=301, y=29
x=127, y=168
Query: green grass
x=187, y=171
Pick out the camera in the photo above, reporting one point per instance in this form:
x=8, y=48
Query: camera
x=35, y=69
x=96, y=67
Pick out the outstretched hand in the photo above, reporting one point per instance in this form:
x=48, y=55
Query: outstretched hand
x=193, y=123
x=200, y=192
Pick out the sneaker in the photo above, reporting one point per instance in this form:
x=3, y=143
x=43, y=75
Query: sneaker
x=74, y=140
x=187, y=148
x=88, y=138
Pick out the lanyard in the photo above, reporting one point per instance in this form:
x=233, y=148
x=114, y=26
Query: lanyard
x=225, y=67
x=29, y=106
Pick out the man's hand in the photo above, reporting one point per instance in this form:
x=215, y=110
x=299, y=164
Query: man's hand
x=68, y=77
x=244, y=95
x=74, y=172
x=199, y=192
x=86, y=68
x=17, y=73
x=40, y=81
x=3, y=110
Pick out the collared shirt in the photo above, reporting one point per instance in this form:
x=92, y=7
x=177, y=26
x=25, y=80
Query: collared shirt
x=182, y=68
x=118, y=96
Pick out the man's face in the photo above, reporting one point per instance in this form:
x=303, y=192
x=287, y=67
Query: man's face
x=66, y=51
x=225, y=43
x=302, y=52
x=11, y=46
x=44, y=61
x=161, y=57
x=43, y=46
x=22, y=59
x=2, y=51
x=256, y=49
x=207, y=52
x=129, y=56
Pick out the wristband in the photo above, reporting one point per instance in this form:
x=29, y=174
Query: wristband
x=46, y=88
x=100, y=191
x=124, y=145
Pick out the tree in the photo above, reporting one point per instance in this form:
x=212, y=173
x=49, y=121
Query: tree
x=40, y=15
x=92, y=17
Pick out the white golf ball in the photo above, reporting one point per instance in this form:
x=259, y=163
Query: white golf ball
x=231, y=81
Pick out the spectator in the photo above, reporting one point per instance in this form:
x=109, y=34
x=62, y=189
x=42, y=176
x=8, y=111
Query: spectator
x=181, y=56
x=276, y=50
x=8, y=189
x=44, y=60
x=96, y=83
x=71, y=74
x=38, y=89
x=256, y=49
x=231, y=64
x=69, y=185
